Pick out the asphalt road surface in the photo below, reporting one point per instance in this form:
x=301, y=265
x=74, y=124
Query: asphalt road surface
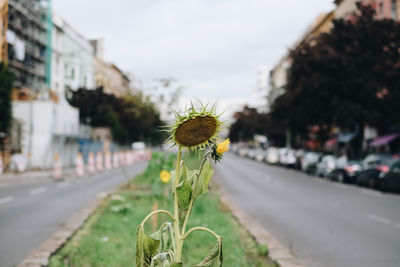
x=323, y=223
x=29, y=214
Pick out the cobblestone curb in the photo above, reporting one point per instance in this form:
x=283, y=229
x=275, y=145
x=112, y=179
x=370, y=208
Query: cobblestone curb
x=277, y=252
x=41, y=256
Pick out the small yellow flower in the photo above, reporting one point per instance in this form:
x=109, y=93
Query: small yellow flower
x=165, y=176
x=223, y=147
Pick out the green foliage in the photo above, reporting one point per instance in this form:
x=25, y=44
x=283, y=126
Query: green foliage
x=214, y=257
x=130, y=118
x=347, y=78
x=146, y=248
x=6, y=86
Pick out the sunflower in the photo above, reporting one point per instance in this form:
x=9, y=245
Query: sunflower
x=219, y=149
x=195, y=128
x=165, y=176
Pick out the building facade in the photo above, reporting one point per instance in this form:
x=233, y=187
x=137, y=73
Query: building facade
x=3, y=30
x=107, y=75
x=385, y=9
x=279, y=74
x=27, y=41
x=78, y=57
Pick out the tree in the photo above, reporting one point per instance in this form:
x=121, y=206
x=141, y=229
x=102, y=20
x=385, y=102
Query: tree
x=348, y=77
x=130, y=118
x=6, y=86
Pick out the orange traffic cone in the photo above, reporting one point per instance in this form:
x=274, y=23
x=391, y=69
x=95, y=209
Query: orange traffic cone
x=57, y=167
x=99, y=161
x=91, y=163
x=115, y=159
x=108, y=160
x=80, y=171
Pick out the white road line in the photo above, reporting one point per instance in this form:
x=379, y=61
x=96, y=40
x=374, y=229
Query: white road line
x=63, y=184
x=38, y=190
x=6, y=199
x=379, y=219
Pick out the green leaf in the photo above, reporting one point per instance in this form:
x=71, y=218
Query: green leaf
x=146, y=248
x=162, y=259
x=214, y=257
x=177, y=264
x=203, y=180
x=184, y=194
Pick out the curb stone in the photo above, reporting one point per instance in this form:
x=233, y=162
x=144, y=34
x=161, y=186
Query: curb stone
x=276, y=251
x=41, y=256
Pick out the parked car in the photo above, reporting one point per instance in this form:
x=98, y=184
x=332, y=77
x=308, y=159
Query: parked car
x=260, y=155
x=374, y=168
x=391, y=180
x=251, y=152
x=325, y=166
x=308, y=164
x=272, y=155
x=287, y=158
x=346, y=170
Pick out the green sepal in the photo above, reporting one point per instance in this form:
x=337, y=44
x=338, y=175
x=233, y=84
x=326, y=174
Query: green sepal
x=214, y=257
x=146, y=248
x=203, y=180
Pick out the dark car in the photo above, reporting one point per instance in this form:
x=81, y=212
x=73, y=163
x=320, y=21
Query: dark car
x=346, y=170
x=391, y=180
x=374, y=168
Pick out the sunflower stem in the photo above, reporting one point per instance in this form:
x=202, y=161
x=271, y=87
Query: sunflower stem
x=178, y=240
x=192, y=198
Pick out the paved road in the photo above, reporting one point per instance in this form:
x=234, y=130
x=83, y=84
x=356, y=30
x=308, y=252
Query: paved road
x=322, y=222
x=29, y=214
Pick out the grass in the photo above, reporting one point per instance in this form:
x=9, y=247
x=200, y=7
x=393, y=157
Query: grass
x=109, y=236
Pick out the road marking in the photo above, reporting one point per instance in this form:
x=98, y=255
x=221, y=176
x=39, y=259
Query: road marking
x=38, y=190
x=6, y=199
x=63, y=184
x=379, y=219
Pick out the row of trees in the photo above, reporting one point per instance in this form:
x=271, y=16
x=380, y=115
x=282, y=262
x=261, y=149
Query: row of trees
x=131, y=118
x=347, y=78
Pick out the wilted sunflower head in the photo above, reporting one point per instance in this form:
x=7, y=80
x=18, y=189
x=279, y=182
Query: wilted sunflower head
x=195, y=128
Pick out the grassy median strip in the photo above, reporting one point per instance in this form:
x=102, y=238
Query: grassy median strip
x=109, y=236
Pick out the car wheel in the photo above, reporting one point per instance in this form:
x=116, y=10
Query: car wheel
x=371, y=183
x=340, y=177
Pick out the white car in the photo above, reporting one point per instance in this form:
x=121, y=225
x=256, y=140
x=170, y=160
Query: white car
x=272, y=155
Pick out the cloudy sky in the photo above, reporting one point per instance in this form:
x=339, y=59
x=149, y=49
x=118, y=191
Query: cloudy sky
x=213, y=47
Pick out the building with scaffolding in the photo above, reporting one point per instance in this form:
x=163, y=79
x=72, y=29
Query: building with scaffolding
x=27, y=42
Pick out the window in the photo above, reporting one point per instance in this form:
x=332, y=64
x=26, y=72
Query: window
x=381, y=9
x=393, y=9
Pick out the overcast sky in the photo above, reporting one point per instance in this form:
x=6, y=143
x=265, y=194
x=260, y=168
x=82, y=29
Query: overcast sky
x=213, y=47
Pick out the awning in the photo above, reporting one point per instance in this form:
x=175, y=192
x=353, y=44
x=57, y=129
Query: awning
x=383, y=140
x=346, y=137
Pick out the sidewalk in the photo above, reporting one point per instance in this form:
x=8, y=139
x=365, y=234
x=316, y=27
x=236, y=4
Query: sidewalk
x=33, y=177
